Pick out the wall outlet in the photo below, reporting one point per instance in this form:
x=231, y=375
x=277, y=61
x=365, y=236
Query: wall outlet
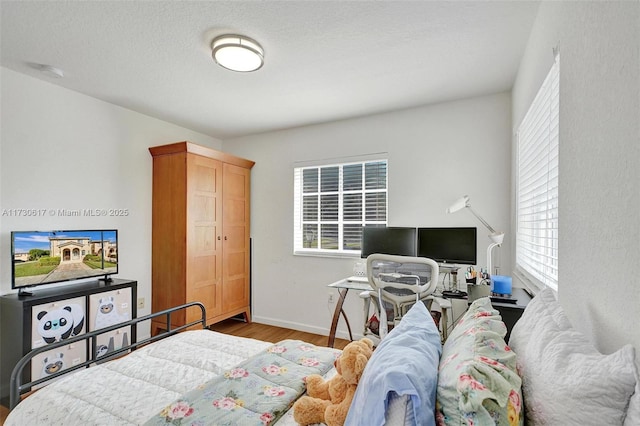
x=141, y=303
x=331, y=297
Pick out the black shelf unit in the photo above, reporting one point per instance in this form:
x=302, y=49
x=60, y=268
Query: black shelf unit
x=16, y=320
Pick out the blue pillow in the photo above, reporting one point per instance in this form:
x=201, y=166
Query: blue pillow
x=406, y=362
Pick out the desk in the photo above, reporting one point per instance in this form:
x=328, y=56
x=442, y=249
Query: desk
x=510, y=312
x=346, y=284
x=343, y=287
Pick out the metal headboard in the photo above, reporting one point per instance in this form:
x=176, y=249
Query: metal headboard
x=16, y=387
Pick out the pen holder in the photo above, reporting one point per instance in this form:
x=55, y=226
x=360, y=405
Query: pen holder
x=471, y=281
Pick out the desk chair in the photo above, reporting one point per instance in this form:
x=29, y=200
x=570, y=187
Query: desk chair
x=398, y=282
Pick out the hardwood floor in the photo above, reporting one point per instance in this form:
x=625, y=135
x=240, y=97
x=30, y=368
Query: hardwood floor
x=269, y=333
x=254, y=330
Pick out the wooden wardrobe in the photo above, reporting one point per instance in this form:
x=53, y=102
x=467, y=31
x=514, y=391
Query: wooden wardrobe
x=200, y=238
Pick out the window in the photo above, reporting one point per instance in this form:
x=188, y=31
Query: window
x=537, y=186
x=333, y=202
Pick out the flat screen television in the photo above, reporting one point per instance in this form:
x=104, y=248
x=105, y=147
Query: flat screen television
x=449, y=245
x=399, y=241
x=45, y=257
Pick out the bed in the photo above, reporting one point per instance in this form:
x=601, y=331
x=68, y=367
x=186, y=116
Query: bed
x=548, y=374
x=151, y=384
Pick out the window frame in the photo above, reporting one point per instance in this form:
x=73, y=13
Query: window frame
x=299, y=222
x=537, y=187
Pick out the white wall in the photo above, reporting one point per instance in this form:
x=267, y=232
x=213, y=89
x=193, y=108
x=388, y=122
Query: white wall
x=599, y=189
x=64, y=150
x=436, y=154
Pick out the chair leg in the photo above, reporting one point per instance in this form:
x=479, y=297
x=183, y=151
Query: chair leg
x=439, y=317
x=366, y=308
x=370, y=329
x=436, y=318
x=445, y=328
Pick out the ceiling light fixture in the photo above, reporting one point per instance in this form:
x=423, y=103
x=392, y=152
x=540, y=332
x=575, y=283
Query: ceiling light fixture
x=237, y=53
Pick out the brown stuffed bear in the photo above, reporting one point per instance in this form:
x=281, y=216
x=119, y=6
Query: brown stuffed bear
x=328, y=401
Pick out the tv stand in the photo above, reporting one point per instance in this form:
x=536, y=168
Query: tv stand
x=19, y=323
x=25, y=293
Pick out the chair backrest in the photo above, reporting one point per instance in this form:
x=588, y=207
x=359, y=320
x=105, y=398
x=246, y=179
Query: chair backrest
x=401, y=280
x=402, y=277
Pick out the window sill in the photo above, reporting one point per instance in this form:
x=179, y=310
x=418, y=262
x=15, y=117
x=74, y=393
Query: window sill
x=327, y=254
x=530, y=284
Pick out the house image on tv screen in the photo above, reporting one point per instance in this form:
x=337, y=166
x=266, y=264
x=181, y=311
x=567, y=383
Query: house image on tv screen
x=73, y=250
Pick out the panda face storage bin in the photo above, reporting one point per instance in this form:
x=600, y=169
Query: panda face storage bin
x=55, y=322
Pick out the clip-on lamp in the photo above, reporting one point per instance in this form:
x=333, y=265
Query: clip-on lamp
x=496, y=237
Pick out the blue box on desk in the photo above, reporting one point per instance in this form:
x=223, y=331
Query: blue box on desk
x=501, y=284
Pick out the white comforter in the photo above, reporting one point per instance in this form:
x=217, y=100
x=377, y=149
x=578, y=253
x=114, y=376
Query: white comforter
x=130, y=390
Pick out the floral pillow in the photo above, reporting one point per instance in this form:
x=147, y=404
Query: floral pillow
x=477, y=379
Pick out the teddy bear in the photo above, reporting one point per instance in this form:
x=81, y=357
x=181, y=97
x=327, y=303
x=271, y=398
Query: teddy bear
x=328, y=401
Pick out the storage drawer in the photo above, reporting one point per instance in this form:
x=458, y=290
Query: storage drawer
x=56, y=321
x=109, y=308
x=52, y=361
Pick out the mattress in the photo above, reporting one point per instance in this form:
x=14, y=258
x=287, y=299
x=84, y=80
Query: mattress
x=130, y=390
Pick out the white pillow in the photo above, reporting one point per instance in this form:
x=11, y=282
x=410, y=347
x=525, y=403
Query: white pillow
x=633, y=413
x=565, y=380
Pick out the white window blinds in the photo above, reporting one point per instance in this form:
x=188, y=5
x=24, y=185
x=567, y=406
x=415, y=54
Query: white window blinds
x=332, y=203
x=537, y=186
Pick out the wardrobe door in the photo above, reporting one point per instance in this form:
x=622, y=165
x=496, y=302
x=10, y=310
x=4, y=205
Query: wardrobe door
x=236, y=197
x=204, y=235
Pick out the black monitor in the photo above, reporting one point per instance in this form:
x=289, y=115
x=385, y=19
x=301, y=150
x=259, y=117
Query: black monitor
x=448, y=245
x=399, y=241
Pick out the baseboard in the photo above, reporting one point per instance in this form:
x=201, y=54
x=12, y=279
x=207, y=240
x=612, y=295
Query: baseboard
x=340, y=334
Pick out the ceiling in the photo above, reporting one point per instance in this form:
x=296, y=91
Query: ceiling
x=324, y=60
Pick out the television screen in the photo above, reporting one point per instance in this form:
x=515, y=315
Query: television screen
x=448, y=245
x=45, y=257
x=395, y=240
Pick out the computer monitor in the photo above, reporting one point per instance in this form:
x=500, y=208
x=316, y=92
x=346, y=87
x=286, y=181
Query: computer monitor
x=399, y=241
x=448, y=245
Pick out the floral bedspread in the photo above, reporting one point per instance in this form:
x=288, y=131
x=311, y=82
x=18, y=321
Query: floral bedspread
x=258, y=391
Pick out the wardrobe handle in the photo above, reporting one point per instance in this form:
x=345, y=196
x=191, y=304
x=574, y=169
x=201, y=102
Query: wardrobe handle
x=218, y=237
x=225, y=238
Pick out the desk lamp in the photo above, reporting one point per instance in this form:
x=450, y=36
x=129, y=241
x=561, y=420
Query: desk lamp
x=495, y=237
